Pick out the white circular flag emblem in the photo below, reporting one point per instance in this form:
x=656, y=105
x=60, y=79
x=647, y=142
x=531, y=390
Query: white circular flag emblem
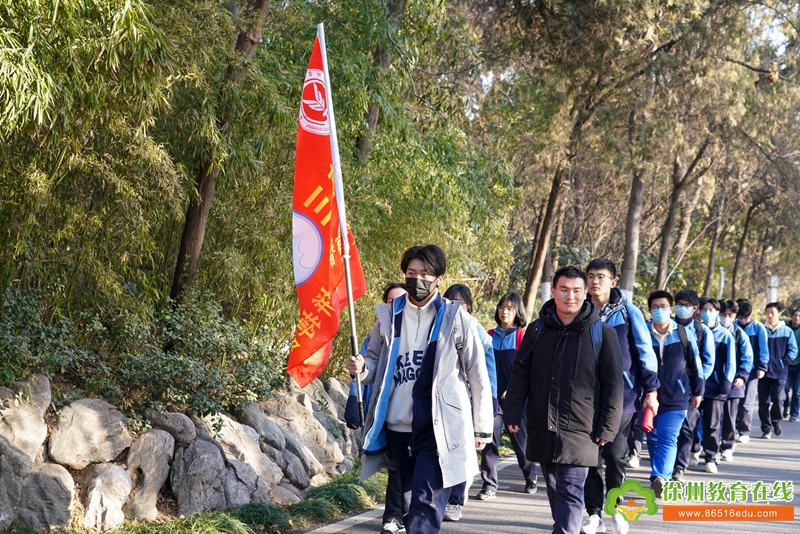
x=314, y=104
x=307, y=247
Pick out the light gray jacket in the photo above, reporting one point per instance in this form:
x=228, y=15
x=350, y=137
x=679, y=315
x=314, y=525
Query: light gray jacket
x=461, y=393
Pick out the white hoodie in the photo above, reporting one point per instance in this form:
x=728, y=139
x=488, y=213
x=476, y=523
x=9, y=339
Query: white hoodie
x=413, y=341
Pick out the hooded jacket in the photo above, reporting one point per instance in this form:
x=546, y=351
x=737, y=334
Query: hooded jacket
x=757, y=333
x=718, y=385
x=572, y=395
x=708, y=349
x=639, y=365
x=680, y=374
x=460, y=393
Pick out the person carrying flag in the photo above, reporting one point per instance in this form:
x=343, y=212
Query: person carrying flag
x=432, y=399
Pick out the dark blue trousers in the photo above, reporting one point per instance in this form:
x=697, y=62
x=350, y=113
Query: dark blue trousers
x=421, y=483
x=490, y=455
x=686, y=438
x=771, y=394
x=565, y=493
x=793, y=385
x=393, y=509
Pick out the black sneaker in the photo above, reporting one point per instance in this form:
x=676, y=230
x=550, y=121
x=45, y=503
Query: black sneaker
x=778, y=430
x=530, y=486
x=768, y=434
x=678, y=475
x=657, y=486
x=486, y=494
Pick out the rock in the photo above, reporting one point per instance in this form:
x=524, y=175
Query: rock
x=282, y=496
x=108, y=492
x=240, y=442
x=198, y=478
x=347, y=465
x=320, y=480
x=288, y=487
x=338, y=392
x=269, y=431
x=46, y=497
x=89, y=431
x=274, y=455
x=22, y=415
x=337, y=432
x=302, y=424
x=148, y=467
x=178, y=425
x=18, y=460
x=306, y=457
x=295, y=471
x=10, y=491
x=243, y=486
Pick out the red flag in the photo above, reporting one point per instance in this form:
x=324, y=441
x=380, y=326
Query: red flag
x=316, y=232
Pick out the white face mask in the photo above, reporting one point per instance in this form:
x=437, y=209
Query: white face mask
x=726, y=321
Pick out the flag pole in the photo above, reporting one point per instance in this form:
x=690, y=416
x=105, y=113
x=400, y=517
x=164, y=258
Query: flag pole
x=337, y=181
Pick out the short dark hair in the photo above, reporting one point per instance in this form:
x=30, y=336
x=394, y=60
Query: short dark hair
x=689, y=295
x=728, y=305
x=600, y=264
x=431, y=255
x=521, y=318
x=776, y=305
x=745, y=308
x=709, y=300
x=570, y=271
x=659, y=294
x=393, y=285
x=460, y=290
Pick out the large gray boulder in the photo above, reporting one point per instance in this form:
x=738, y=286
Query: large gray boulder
x=303, y=453
x=46, y=497
x=283, y=496
x=299, y=420
x=338, y=392
x=89, y=431
x=178, y=425
x=22, y=409
x=240, y=442
x=295, y=471
x=10, y=491
x=269, y=431
x=243, y=485
x=148, y=467
x=18, y=460
x=108, y=492
x=198, y=478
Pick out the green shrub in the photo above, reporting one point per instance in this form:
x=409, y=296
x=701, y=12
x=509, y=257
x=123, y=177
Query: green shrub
x=269, y=517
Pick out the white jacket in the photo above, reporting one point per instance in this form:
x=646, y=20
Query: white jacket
x=461, y=394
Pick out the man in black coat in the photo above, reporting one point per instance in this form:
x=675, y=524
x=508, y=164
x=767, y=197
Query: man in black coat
x=570, y=374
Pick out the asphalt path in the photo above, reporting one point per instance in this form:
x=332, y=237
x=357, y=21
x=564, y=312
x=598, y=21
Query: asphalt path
x=513, y=511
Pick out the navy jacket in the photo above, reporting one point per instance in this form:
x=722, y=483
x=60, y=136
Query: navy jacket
x=758, y=340
x=718, y=385
x=681, y=376
x=639, y=362
x=782, y=351
x=708, y=350
x=744, y=359
x=504, y=347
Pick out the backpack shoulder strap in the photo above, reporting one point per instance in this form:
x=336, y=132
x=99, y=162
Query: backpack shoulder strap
x=701, y=333
x=685, y=343
x=490, y=333
x=596, y=333
x=458, y=336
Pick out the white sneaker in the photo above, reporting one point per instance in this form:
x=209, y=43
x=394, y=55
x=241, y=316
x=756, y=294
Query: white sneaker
x=392, y=527
x=619, y=524
x=633, y=461
x=452, y=512
x=744, y=439
x=727, y=456
x=711, y=467
x=694, y=459
x=595, y=524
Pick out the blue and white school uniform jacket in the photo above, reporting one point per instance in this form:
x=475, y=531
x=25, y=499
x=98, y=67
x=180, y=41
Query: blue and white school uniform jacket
x=782, y=350
x=719, y=384
x=680, y=377
x=757, y=333
x=639, y=362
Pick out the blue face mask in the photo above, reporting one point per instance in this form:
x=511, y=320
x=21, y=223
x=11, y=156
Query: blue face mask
x=683, y=312
x=660, y=316
x=709, y=317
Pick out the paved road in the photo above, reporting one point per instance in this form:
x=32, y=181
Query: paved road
x=516, y=512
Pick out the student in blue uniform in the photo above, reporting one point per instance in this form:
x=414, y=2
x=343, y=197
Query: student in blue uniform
x=744, y=364
x=782, y=351
x=506, y=338
x=719, y=384
x=681, y=386
x=758, y=340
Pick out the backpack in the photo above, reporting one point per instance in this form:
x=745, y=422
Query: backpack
x=595, y=331
x=685, y=343
x=701, y=333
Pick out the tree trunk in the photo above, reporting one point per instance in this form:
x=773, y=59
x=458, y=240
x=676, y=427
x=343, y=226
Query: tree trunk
x=540, y=253
x=749, y=217
x=194, y=229
x=687, y=210
x=680, y=180
x=632, y=223
x=715, y=237
x=381, y=58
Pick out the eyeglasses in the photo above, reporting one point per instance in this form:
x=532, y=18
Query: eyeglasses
x=506, y=308
x=599, y=277
x=662, y=307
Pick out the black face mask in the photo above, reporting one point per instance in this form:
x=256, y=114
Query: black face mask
x=419, y=288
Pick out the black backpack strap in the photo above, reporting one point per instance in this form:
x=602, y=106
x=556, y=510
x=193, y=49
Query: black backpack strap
x=701, y=333
x=459, y=342
x=685, y=343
